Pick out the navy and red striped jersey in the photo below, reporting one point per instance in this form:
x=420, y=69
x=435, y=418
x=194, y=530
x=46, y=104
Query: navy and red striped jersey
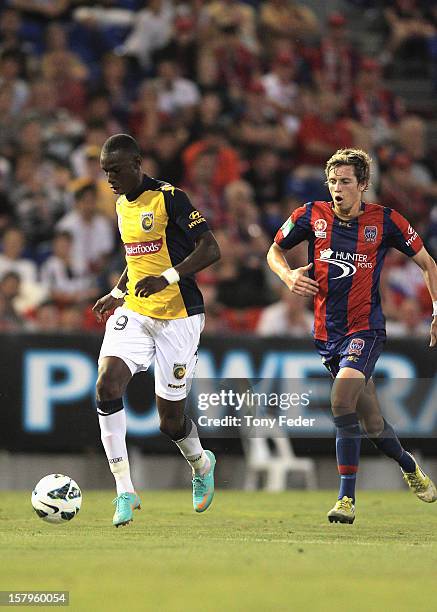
x=347, y=258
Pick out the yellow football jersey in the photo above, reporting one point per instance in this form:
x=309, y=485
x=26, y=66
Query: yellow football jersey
x=159, y=226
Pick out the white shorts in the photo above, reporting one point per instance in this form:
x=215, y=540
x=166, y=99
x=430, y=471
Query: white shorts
x=137, y=339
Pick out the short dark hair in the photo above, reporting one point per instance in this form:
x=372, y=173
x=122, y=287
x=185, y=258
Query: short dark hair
x=122, y=142
x=357, y=158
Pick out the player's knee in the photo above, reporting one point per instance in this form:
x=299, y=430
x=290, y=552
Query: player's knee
x=172, y=426
x=373, y=425
x=107, y=387
x=340, y=408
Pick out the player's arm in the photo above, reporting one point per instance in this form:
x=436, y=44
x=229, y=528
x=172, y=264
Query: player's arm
x=296, y=280
x=295, y=230
x=429, y=269
x=113, y=299
x=205, y=253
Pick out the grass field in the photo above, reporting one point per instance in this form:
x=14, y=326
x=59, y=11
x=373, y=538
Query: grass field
x=250, y=551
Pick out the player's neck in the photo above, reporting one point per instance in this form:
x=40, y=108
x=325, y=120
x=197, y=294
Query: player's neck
x=346, y=215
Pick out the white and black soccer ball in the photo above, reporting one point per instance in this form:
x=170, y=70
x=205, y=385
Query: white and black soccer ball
x=56, y=498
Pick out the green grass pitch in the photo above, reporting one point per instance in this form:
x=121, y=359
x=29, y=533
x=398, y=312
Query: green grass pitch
x=249, y=551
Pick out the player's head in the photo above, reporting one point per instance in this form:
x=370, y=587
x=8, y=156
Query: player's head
x=120, y=159
x=348, y=174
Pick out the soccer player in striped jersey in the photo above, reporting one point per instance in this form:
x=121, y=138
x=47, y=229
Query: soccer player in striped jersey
x=347, y=242
x=159, y=315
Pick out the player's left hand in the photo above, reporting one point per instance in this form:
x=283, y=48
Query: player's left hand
x=433, y=332
x=150, y=285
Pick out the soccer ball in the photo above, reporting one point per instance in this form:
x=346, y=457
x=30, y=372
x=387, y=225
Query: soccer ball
x=56, y=498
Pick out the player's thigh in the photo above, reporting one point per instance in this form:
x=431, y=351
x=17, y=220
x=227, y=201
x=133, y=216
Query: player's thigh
x=127, y=337
x=176, y=356
x=346, y=389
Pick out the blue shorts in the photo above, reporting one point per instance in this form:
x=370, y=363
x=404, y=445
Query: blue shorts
x=359, y=351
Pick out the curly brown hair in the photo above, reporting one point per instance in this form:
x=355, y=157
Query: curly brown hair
x=357, y=158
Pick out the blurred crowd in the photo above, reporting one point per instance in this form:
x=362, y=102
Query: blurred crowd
x=240, y=103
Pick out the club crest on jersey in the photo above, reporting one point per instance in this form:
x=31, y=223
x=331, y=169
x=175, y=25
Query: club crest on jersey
x=356, y=346
x=320, y=226
x=147, y=221
x=370, y=233
x=179, y=370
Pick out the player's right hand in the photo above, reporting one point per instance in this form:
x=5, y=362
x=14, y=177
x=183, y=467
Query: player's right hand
x=105, y=305
x=300, y=284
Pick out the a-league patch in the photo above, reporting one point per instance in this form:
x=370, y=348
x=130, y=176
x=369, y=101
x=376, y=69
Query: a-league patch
x=320, y=226
x=356, y=346
x=287, y=227
x=370, y=233
x=179, y=370
x=147, y=220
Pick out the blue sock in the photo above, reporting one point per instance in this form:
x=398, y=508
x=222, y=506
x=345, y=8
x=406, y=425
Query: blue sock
x=388, y=443
x=348, y=444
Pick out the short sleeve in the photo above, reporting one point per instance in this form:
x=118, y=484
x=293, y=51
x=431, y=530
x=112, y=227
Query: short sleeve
x=296, y=229
x=401, y=235
x=181, y=211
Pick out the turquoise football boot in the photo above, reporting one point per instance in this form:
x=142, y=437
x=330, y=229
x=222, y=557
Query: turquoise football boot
x=203, y=486
x=125, y=504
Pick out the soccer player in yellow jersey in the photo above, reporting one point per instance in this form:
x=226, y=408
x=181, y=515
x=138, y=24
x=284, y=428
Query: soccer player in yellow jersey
x=159, y=314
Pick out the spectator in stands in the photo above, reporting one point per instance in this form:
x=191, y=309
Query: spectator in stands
x=166, y=151
x=287, y=317
x=10, y=319
x=410, y=321
x=115, y=83
x=321, y=132
x=335, y=61
x=282, y=90
x=65, y=70
x=286, y=18
x=93, y=232
x=95, y=135
x=11, y=258
x=36, y=213
x=177, y=97
x=221, y=13
x=46, y=318
x=373, y=106
x=11, y=66
x=92, y=173
x=257, y=127
x=209, y=117
x=64, y=285
x=231, y=64
x=403, y=192
x=229, y=165
x=409, y=30
x=152, y=29
x=183, y=47
x=71, y=319
x=201, y=189
x=412, y=137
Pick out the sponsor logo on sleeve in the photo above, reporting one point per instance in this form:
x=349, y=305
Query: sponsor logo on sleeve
x=196, y=218
x=413, y=235
x=320, y=226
